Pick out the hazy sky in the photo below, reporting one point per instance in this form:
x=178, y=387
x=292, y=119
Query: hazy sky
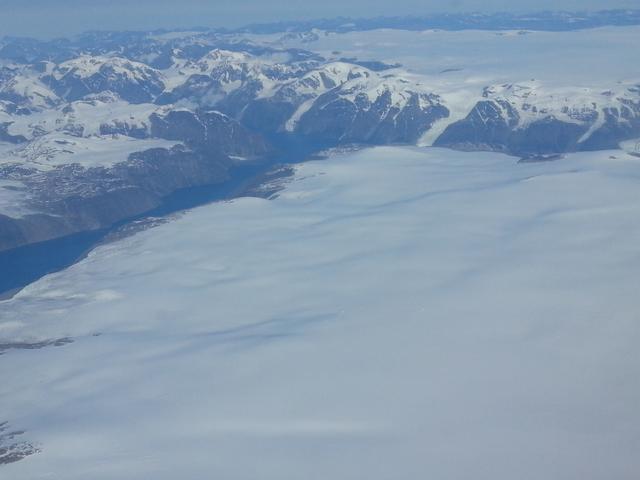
x=45, y=18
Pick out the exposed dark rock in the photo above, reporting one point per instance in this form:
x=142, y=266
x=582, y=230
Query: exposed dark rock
x=11, y=449
x=74, y=199
x=121, y=128
x=487, y=127
x=618, y=125
x=267, y=115
x=494, y=125
x=337, y=120
x=209, y=131
x=59, y=342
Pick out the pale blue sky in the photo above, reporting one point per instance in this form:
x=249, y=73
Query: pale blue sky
x=44, y=18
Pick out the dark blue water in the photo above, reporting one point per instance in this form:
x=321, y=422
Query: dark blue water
x=21, y=266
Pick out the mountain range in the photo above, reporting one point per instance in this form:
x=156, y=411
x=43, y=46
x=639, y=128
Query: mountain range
x=102, y=127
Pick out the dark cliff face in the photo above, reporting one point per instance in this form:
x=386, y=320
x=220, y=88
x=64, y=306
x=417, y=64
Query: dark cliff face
x=484, y=128
x=108, y=195
x=209, y=131
x=494, y=125
x=619, y=124
x=267, y=115
x=337, y=120
x=124, y=129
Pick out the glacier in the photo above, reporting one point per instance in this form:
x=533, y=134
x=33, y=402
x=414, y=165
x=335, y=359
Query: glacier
x=395, y=312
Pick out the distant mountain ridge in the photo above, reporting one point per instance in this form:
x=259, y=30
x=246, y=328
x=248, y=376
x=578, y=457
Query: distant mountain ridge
x=29, y=49
x=543, y=21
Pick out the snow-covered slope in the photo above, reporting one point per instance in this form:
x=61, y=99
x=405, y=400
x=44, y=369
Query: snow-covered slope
x=95, y=115
x=54, y=150
x=133, y=81
x=440, y=96
x=23, y=87
x=274, y=93
x=482, y=318
x=559, y=69
x=529, y=118
x=361, y=105
x=220, y=72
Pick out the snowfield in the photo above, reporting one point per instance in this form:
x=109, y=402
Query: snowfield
x=57, y=149
x=394, y=313
x=479, y=58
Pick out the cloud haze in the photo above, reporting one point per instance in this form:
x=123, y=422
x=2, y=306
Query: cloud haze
x=48, y=18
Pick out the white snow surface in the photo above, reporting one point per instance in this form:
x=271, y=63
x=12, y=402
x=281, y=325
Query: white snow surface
x=57, y=149
x=85, y=116
x=395, y=313
x=534, y=101
x=26, y=83
x=228, y=67
x=479, y=58
x=86, y=66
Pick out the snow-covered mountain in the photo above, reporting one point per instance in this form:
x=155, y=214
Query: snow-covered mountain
x=133, y=81
x=82, y=120
x=332, y=102
x=528, y=118
x=366, y=106
x=21, y=89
